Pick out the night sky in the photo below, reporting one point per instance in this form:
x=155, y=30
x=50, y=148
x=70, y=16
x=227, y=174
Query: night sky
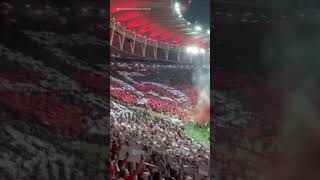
x=199, y=10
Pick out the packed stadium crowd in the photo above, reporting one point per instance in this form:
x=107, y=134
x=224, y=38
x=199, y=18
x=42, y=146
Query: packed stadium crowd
x=143, y=134
x=166, y=89
x=48, y=98
x=64, y=93
x=150, y=105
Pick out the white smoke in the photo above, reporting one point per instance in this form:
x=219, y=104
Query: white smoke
x=201, y=79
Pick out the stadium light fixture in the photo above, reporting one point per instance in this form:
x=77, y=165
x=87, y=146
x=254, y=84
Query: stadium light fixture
x=198, y=28
x=177, y=5
x=192, y=50
x=177, y=8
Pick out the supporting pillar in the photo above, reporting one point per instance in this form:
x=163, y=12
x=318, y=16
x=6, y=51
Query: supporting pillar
x=112, y=33
x=179, y=52
x=155, y=51
x=144, y=47
x=121, y=39
x=166, y=50
x=133, y=44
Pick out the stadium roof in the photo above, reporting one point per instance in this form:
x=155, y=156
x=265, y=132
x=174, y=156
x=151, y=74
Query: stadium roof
x=159, y=21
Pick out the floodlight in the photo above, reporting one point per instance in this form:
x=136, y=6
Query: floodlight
x=198, y=28
x=192, y=50
x=177, y=5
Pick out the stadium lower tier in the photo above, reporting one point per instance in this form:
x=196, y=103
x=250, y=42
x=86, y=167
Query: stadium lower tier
x=53, y=107
x=170, y=91
x=139, y=137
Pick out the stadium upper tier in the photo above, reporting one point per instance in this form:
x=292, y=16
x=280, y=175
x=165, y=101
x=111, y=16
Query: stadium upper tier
x=157, y=21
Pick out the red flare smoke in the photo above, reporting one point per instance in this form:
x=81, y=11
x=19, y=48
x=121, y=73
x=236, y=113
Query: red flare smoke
x=202, y=116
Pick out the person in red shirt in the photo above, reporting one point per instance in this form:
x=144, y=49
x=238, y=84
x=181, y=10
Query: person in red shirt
x=113, y=161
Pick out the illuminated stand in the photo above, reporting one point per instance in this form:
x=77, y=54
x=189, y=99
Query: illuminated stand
x=151, y=49
x=155, y=46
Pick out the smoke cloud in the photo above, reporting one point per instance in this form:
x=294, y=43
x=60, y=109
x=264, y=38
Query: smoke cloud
x=201, y=79
x=292, y=55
